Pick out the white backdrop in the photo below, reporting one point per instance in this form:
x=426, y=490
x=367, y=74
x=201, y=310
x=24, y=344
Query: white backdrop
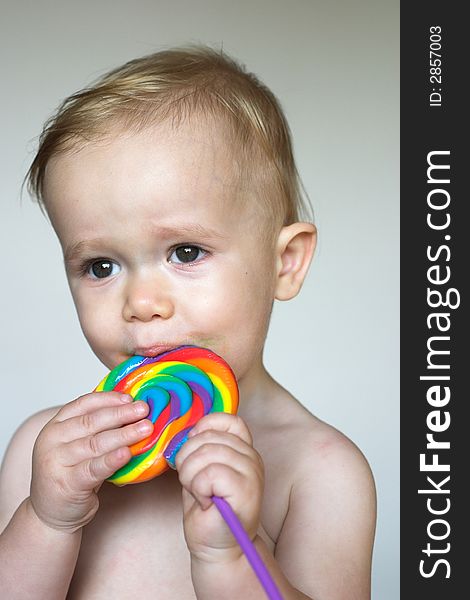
x=334, y=67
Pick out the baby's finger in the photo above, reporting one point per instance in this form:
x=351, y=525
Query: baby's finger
x=211, y=436
x=246, y=466
x=91, y=402
x=90, y=473
x=103, y=419
x=223, y=422
x=212, y=481
x=103, y=443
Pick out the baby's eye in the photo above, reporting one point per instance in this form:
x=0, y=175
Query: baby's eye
x=99, y=269
x=186, y=254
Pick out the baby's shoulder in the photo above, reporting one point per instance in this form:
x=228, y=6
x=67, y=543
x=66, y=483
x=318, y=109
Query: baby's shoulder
x=24, y=437
x=328, y=467
x=15, y=471
x=331, y=509
x=315, y=459
x=323, y=454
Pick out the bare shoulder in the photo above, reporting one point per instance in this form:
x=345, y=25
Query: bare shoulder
x=332, y=511
x=326, y=456
x=15, y=471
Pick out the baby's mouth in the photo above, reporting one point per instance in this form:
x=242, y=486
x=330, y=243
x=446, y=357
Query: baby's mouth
x=154, y=350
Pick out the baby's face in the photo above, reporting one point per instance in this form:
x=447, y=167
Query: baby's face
x=159, y=249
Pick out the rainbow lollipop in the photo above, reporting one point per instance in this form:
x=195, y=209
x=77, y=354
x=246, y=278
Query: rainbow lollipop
x=180, y=386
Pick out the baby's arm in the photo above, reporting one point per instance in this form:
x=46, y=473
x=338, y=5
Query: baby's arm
x=325, y=545
x=324, y=548
x=29, y=552
x=80, y=446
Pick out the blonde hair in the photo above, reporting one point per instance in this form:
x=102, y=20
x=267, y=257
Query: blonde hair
x=177, y=84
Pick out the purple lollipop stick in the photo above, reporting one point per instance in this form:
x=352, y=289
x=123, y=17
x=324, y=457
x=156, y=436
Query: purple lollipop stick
x=248, y=548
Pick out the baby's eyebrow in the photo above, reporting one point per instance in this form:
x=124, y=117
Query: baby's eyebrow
x=188, y=229
x=77, y=250
x=192, y=231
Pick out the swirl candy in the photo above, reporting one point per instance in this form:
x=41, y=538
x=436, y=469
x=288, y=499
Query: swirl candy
x=180, y=386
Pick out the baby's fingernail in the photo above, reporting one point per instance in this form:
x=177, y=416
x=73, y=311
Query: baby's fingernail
x=145, y=427
x=140, y=408
x=126, y=398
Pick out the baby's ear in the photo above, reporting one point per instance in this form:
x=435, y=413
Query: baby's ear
x=294, y=251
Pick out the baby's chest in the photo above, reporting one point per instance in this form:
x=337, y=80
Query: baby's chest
x=134, y=547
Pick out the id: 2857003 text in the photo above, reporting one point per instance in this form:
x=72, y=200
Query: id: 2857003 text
x=435, y=65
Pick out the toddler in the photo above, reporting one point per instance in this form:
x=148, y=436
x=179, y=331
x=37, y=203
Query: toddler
x=172, y=188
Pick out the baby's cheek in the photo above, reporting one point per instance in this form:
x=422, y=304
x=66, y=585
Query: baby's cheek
x=258, y=292
x=98, y=329
x=244, y=320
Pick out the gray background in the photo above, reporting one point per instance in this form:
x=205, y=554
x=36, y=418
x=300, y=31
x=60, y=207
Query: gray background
x=334, y=66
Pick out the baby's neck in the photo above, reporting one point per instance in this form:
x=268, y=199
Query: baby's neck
x=256, y=390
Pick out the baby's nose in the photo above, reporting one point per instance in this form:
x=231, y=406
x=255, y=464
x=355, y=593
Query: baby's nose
x=147, y=298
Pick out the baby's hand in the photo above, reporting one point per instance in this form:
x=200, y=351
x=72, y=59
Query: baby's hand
x=84, y=444
x=219, y=460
